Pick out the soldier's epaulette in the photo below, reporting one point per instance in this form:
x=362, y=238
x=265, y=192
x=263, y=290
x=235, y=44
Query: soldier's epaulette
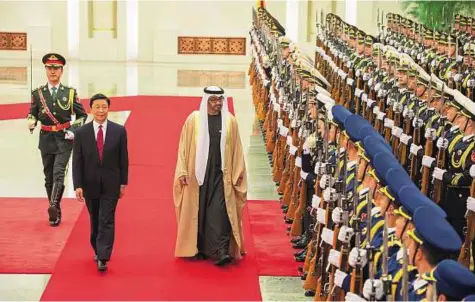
x=39, y=88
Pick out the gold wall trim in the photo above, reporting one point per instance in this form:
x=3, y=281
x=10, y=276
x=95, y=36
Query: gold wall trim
x=212, y=46
x=13, y=41
x=14, y=75
x=90, y=20
x=203, y=78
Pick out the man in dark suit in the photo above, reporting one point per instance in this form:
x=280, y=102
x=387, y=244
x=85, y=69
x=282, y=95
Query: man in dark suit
x=100, y=174
x=60, y=113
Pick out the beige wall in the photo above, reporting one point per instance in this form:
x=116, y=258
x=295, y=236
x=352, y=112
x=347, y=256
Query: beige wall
x=45, y=25
x=161, y=22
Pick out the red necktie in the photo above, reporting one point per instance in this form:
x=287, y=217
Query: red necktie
x=100, y=142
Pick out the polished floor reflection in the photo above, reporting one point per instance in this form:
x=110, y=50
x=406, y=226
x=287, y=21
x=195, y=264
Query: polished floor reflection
x=21, y=172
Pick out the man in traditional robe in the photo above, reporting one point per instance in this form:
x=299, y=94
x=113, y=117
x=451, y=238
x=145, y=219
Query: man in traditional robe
x=210, y=183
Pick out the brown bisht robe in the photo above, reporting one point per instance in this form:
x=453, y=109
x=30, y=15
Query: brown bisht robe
x=219, y=193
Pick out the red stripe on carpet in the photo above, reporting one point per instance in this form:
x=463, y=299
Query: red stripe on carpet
x=28, y=245
x=273, y=249
x=143, y=266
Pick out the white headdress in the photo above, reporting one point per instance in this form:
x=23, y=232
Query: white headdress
x=202, y=148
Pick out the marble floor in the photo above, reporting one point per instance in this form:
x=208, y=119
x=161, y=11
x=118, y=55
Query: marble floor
x=122, y=79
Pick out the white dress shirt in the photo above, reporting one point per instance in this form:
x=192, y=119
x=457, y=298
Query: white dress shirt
x=96, y=128
x=50, y=88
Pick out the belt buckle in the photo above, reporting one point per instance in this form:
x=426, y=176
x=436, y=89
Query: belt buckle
x=53, y=128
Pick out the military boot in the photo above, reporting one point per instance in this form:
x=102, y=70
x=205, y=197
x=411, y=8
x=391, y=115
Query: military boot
x=54, y=210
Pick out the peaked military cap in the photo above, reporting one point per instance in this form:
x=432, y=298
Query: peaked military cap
x=453, y=279
x=340, y=114
x=411, y=199
x=373, y=144
x=434, y=232
x=395, y=176
x=53, y=60
x=353, y=125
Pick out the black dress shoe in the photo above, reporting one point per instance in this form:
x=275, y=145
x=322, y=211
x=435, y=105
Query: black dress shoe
x=301, y=257
x=288, y=221
x=300, y=245
x=223, y=260
x=304, y=276
x=295, y=240
x=101, y=265
x=300, y=252
x=300, y=269
x=200, y=256
x=309, y=293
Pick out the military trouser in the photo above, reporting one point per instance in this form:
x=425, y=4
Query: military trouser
x=54, y=168
x=307, y=219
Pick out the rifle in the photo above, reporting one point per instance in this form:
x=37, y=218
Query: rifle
x=369, y=248
x=464, y=257
x=340, y=188
x=416, y=139
x=356, y=285
x=405, y=276
x=440, y=159
x=386, y=277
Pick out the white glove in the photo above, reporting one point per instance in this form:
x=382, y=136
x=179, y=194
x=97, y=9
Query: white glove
x=303, y=175
x=438, y=173
x=415, y=148
x=390, y=101
x=345, y=234
x=380, y=115
x=396, y=131
x=417, y=123
x=427, y=161
x=364, y=97
x=404, y=138
x=472, y=171
x=353, y=257
x=377, y=87
x=340, y=278
x=353, y=297
x=442, y=143
x=397, y=107
x=69, y=135
x=376, y=110
x=388, y=123
x=289, y=140
x=336, y=215
x=409, y=113
x=334, y=257
x=321, y=216
x=430, y=133
x=316, y=201
x=471, y=204
x=329, y=194
x=368, y=287
x=370, y=81
x=326, y=181
x=292, y=150
x=458, y=77
x=31, y=124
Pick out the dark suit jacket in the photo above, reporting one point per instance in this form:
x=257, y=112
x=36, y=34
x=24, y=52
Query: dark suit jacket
x=100, y=179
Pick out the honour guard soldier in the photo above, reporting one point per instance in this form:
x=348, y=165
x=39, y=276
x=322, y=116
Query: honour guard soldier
x=57, y=108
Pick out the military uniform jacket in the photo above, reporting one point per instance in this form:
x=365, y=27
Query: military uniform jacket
x=65, y=104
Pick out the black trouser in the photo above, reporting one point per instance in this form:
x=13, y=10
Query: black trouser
x=307, y=219
x=102, y=217
x=54, y=168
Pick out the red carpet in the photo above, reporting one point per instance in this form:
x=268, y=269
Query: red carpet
x=273, y=249
x=143, y=266
x=28, y=245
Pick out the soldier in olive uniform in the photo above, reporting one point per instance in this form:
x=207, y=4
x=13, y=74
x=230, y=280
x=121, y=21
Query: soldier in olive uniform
x=57, y=108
